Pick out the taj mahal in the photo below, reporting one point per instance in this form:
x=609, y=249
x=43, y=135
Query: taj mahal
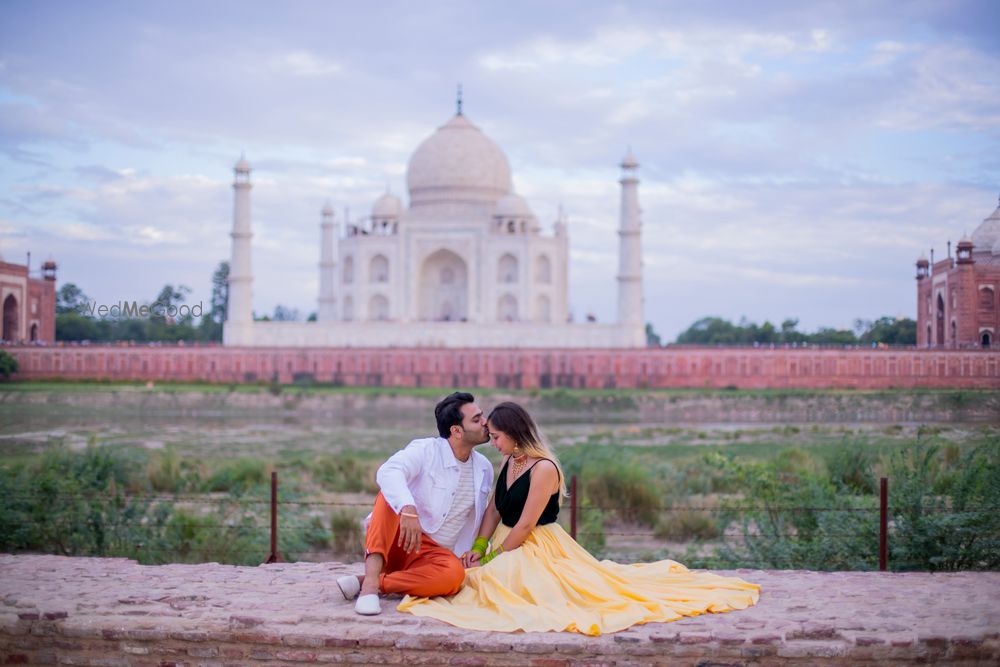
x=465, y=263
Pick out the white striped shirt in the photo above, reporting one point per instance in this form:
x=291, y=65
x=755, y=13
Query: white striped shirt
x=463, y=504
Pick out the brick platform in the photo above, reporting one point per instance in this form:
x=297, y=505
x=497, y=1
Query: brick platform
x=85, y=611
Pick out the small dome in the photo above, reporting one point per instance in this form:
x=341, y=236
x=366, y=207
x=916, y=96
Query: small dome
x=387, y=206
x=987, y=234
x=242, y=165
x=513, y=206
x=327, y=210
x=457, y=162
x=922, y=260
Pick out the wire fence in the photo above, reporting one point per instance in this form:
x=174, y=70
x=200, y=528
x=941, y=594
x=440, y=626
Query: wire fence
x=257, y=529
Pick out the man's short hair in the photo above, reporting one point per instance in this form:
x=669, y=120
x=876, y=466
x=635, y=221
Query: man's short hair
x=449, y=411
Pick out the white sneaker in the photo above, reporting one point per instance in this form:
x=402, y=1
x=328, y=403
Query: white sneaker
x=349, y=586
x=368, y=605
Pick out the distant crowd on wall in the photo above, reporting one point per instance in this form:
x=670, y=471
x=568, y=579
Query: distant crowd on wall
x=760, y=346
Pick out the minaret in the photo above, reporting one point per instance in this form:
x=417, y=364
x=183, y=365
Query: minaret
x=327, y=267
x=630, y=249
x=238, y=329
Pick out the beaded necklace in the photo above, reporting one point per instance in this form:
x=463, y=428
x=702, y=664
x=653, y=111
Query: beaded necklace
x=518, y=465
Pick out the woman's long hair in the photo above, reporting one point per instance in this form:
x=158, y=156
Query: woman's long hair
x=512, y=419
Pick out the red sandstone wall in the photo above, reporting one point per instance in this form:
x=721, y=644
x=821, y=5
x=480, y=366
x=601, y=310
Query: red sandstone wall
x=526, y=369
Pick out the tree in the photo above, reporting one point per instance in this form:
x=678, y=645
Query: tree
x=285, y=314
x=8, y=364
x=220, y=293
x=210, y=327
x=652, y=338
x=71, y=299
x=73, y=326
x=889, y=330
x=709, y=331
x=718, y=331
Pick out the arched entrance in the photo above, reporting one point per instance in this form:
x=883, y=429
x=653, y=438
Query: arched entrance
x=34, y=332
x=939, y=339
x=444, y=288
x=378, y=308
x=507, y=308
x=986, y=339
x=10, y=318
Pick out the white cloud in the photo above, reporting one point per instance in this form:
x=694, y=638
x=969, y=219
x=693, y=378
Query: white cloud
x=81, y=231
x=304, y=63
x=947, y=86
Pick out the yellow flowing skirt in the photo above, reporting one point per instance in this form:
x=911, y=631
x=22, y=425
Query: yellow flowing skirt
x=552, y=583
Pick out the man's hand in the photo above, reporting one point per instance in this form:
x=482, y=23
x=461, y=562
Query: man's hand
x=470, y=559
x=409, y=529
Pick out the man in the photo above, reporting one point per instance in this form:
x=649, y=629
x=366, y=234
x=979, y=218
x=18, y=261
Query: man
x=432, y=497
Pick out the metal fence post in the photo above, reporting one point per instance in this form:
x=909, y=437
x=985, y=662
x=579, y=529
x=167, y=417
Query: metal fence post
x=572, y=507
x=273, y=557
x=883, y=527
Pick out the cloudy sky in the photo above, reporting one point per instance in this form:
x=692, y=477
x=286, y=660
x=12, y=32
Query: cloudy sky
x=797, y=157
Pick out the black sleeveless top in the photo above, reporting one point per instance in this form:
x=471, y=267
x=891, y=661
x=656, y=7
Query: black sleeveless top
x=510, y=502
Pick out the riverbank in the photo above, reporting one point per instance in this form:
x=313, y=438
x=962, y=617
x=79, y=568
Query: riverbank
x=763, y=406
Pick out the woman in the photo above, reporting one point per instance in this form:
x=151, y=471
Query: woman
x=536, y=578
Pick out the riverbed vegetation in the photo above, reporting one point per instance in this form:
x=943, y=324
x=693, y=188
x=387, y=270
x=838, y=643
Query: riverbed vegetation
x=191, y=489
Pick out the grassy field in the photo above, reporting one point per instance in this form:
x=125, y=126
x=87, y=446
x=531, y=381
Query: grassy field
x=646, y=489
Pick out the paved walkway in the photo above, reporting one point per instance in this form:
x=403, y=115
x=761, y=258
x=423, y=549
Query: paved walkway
x=115, y=612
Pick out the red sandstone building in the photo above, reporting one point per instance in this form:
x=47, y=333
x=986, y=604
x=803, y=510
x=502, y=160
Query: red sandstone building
x=29, y=304
x=957, y=297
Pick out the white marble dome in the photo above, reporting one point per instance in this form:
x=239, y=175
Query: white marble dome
x=513, y=206
x=458, y=162
x=387, y=206
x=987, y=235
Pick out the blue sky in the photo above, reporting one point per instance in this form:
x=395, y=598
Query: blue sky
x=796, y=157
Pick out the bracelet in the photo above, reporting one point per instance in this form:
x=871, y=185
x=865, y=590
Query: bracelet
x=480, y=546
x=407, y=514
x=491, y=555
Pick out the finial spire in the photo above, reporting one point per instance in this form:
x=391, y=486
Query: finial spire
x=459, y=100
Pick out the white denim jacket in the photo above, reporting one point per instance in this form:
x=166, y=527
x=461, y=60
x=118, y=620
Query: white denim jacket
x=425, y=474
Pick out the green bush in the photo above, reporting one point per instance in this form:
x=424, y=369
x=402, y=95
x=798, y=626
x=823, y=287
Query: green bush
x=167, y=472
x=942, y=513
x=613, y=482
x=851, y=468
x=8, y=364
x=687, y=524
x=346, y=473
x=806, y=524
x=348, y=538
x=95, y=503
x=71, y=503
x=590, y=528
x=238, y=476
x=956, y=530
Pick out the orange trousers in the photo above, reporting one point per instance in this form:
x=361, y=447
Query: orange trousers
x=432, y=571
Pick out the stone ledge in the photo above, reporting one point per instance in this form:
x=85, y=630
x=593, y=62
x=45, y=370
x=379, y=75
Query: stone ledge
x=82, y=611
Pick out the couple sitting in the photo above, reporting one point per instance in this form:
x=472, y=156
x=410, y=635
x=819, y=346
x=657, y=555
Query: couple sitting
x=506, y=564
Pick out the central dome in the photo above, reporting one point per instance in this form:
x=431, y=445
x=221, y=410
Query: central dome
x=457, y=163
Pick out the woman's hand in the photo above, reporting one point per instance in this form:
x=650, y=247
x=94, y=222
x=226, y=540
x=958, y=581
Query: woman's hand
x=470, y=559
